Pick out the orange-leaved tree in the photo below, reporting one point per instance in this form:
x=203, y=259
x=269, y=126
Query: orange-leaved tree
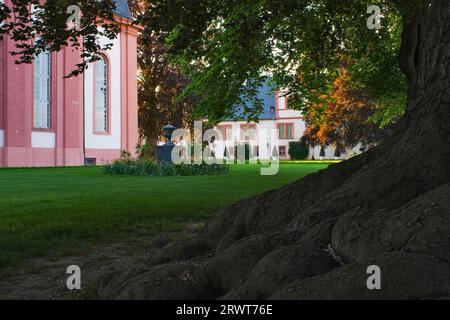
x=343, y=117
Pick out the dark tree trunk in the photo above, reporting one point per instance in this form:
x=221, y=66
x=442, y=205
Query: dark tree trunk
x=337, y=152
x=315, y=238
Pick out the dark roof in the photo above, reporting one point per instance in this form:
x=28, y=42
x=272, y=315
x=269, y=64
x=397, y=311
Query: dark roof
x=122, y=9
x=266, y=93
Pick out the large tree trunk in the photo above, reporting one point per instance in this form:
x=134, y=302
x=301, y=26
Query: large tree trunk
x=315, y=238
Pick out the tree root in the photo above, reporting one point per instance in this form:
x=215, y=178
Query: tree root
x=389, y=207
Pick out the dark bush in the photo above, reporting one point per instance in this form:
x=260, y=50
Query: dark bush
x=322, y=152
x=298, y=150
x=337, y=152
x=146, y=151
x=142, y=167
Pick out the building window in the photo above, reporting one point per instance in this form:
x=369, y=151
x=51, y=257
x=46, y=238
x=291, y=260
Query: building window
x=41, y=91
x=248, y=132
x=226, y=132
x=282, y=152
x=286, y=131
x=101, y=96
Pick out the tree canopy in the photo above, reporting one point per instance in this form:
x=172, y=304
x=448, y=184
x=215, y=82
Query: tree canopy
x=159, y=85
x=38, y=26
x=229, y=48
x=343, y=118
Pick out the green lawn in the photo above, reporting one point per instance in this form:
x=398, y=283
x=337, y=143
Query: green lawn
x=57, y=211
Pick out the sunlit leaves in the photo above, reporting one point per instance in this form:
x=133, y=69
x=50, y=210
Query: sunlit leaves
x=37, y=26
x=230, y=47
x=342, y=118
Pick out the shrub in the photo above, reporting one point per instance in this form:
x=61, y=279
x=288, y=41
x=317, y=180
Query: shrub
x=142, y=167
x=125, y=155
x=298, y=150
x=145, y=151
x=337, y=152
x=322, y=152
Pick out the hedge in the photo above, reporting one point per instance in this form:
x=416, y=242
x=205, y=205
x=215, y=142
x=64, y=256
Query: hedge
x=298, y=150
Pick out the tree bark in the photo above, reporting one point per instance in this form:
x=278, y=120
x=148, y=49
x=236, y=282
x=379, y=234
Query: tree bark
x=315, y=237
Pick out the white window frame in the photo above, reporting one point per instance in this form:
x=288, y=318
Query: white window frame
x=42, y=91
x=101, y=98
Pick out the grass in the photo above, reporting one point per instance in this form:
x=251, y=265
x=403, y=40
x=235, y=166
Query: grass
x=57, y=211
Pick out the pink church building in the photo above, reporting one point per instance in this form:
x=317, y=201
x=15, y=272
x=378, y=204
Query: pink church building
x=49, y=120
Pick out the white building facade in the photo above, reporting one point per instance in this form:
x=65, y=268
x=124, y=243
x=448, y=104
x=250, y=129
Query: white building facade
x=277, y=115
